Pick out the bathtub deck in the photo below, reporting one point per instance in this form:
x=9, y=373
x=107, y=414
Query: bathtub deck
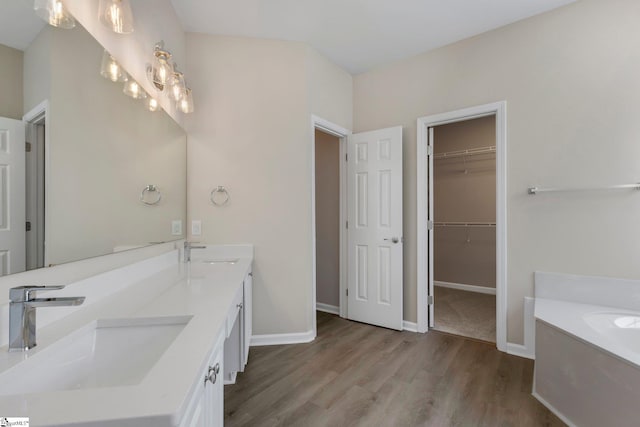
x=355, y=374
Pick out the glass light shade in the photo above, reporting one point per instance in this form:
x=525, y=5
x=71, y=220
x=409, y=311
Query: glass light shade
x=186, y=103
x=116, y=15
x=110, y=69
x=152, y=104
x=133, y=89
x=160, y=71
x=54, y=13
x=176, y=86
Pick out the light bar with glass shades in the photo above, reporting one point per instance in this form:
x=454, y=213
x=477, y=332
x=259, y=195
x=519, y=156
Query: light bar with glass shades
x=133, y=89
x=186, y=103
x=176, y=85
x=160, y=70
x=54, y=13
x=116, y=15
x=110, y=69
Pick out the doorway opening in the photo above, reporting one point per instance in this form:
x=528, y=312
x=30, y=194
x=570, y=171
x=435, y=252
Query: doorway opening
x=328, y=219
x=472, y=228
x=327, y=164
x=35, y=185
x=464, y=228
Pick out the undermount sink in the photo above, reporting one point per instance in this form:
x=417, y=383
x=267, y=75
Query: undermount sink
x=105, y=353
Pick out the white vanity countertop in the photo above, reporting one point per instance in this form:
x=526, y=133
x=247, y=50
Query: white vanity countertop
x=205, y=291
x=572, y=318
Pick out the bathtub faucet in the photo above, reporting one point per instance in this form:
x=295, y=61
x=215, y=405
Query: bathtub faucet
x=22, y=313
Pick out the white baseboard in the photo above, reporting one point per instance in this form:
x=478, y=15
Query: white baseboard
x=519, y=350
x=409, y=326
x=279, y=339
x=327, y=308
x=468, y=288
x=553, y=409
x=232, y=380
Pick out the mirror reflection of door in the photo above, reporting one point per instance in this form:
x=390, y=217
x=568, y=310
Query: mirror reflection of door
x=12, y=196
x=34, y=192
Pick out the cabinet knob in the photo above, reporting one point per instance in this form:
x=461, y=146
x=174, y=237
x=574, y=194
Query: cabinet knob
x=212, y=374
x=239, y=305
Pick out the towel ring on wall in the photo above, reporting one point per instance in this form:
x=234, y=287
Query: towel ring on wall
x=219, y=196
x=150, y=189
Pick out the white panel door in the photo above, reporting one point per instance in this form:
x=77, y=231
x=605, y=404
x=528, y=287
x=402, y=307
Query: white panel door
x=12, y=199
x=374, y=180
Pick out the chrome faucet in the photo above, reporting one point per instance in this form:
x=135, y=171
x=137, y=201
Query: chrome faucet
x=22, y=313
x=187, y=250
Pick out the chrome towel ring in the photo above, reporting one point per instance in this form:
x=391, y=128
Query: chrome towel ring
x=219, y=196
x=150, y=189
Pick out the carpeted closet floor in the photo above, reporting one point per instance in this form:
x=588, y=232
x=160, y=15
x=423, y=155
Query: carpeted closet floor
x=470, y=314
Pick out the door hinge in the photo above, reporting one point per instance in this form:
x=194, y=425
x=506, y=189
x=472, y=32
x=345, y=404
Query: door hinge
x=347, y=225
x=430, y=300
x=28, y=226
x=27, y=147
x=346, y=157
x=429, y=150
x=347, y=291
x=429, y=225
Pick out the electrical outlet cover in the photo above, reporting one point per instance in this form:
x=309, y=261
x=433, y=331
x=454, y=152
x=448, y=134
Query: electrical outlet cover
x=196, y=227
x=176, y=227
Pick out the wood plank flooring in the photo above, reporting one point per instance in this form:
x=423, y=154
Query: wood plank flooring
x=360, y=375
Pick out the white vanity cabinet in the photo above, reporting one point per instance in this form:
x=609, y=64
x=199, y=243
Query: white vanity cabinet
x=239, y=329
x=206, y=408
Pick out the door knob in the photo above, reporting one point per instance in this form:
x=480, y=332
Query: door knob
x=392, y=240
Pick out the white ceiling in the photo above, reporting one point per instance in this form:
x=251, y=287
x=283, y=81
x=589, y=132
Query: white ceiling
x=19, y=24
x=358, y=34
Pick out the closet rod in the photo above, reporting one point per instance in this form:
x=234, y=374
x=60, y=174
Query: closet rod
x=464, y=224
x=469, y=152
x=536, y=190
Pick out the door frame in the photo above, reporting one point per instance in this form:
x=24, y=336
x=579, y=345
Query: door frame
x=499, y=109
x=36, y=114
x=342, y=133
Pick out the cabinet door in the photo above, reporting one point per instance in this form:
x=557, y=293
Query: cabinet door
x=247, y=318
x=214, y=391
x=206, y=408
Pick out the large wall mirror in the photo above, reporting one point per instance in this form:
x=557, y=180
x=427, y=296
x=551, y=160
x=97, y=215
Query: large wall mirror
x=71, y=188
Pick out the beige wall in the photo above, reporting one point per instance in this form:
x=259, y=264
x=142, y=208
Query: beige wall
x=465, y=191
x=37, y=70
x=251, y=132
x=11, y=62
x=570, y=78
x=327, y=157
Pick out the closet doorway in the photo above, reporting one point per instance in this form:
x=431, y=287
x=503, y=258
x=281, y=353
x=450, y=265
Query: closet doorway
x=474, y=227
x=464, y=228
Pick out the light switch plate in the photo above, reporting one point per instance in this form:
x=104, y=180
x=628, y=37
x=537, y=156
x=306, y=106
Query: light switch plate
x=176, y=227
x=196, y=227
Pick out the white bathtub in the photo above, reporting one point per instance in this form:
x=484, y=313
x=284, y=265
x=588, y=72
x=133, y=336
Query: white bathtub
x=613, y=330
x=622, y=328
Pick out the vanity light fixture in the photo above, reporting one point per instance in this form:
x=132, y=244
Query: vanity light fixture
x=116, y=15
x=186, y=103
x=54, y=13
x=133, y=89
x=152, y=104
x=110, y=69
x=176, y=85
x=160, y=70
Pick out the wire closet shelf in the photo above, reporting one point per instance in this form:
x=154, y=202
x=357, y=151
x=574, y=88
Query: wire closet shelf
x=465, y=224
x=465, y=153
